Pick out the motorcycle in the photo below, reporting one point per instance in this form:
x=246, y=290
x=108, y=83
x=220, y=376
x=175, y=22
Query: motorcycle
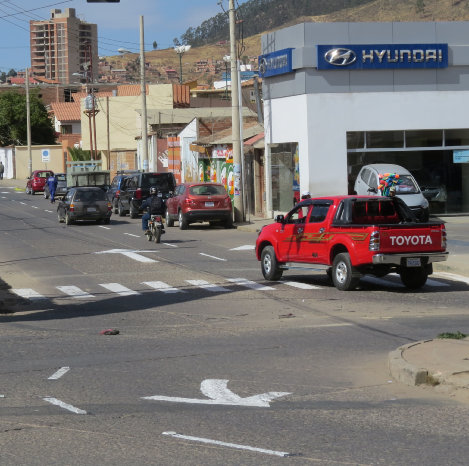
x=155, y=228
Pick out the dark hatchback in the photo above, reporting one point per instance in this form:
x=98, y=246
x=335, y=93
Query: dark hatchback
x=84, y=203
x=113, y=193
x=136, y=188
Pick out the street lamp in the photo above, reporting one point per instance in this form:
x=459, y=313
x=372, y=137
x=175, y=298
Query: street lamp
x=227, y=60
x=181, y=50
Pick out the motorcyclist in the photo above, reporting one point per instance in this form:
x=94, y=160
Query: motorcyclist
x=154, y=205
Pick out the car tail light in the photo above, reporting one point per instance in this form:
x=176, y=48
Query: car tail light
x=157, y=218
x=443, y=238
x=72, y=208
x=109, y=206
x=190, y=202
x=37, y=179
x=374, y=241
x=138, y=193
x=117, y=193
x=227, y=201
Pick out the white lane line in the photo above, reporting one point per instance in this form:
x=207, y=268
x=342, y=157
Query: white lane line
x=130, y=234
x=56, y=375
x=246, y=247
x=172, y=245
x=212, y=257
x=207, y=286
x=4, y=197
x=5, y=192
x=56, y=402
x=250, y=284
x=24, y=203
x=28, y=293
x=121, y=290
x=226, y=444
x=303, y=286
x=75, y=292
x=162, y=286
x=50, y=211
x=453, y=276
x=34, y=207
x=106, y=228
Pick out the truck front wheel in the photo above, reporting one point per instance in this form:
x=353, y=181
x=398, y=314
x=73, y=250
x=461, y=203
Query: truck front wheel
x=269, y=265
x=413, y=277
x=344, y=276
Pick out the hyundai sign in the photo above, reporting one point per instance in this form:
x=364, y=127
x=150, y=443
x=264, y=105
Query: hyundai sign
x=272, y=64
x=382, y=56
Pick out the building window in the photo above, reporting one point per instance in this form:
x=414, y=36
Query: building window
x=66, y=129
x=285, y=178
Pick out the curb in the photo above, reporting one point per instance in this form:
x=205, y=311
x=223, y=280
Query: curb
x=405, y=372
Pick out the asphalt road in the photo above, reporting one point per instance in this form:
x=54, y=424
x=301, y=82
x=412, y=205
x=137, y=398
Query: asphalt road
x=212, y=365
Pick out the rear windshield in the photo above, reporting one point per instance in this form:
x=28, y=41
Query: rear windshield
x=162, y=181
x=43, y=174
x=207, y=190
x=61, y=178
x=90, y=196
x=371, y=212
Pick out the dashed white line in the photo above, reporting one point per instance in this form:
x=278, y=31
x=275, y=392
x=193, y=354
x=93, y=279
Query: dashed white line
x=56, y=402
x=121, y=290
x=106, y=228
x=169, y=244
x=162, y=286
x=303, y=286
x=50, y=211
x=212, y=257
x=207, y=286
x=4, y=197
x=56, y=375
x=249, y=284
x=35, y=207
x=21, y=202
x=28, y=293
x=246, y=247
x=226, y=444
x=130, y=234
x=75, y=292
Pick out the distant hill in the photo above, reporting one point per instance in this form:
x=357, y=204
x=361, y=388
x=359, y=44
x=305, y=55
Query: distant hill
x=210, y=40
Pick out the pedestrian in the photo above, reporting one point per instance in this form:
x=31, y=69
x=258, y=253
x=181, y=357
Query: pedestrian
x=52, y=184
x=2, y=169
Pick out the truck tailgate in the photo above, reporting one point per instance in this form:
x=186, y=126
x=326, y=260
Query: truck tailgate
x=418, y=238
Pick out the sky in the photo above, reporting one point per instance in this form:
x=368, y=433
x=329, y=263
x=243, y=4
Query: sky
x=118, y=23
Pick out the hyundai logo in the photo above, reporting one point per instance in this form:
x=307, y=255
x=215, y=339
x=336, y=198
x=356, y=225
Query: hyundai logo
x=263, y=67
x=340, y=57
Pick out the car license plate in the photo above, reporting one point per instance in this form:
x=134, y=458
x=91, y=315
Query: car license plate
x=209, y=204
x=413, y=262
x=91, y=209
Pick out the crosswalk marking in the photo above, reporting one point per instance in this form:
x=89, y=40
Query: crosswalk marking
x=249, y=284
x=121, y=290
x=28, y=293
x=162, y=286
x=302, y=286
x=207, y=286
x=75, y=292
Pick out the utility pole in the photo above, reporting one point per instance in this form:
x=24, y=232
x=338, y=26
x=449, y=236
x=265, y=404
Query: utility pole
x=235, y=121
x=144, y=99
x=28, y=124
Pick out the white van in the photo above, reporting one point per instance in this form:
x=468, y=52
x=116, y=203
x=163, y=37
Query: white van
x=407, y=189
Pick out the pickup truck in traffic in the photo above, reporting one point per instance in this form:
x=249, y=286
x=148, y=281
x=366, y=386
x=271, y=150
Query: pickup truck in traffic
x=351, y=236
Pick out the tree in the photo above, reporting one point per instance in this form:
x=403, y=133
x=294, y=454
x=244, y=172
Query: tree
x=12, y=73
x=176, y=42
x=13, y=120
x=3, y=77
x=155, y=45
x=77, y=154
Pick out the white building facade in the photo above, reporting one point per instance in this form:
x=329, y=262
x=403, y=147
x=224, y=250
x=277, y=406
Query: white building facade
x=338, y=96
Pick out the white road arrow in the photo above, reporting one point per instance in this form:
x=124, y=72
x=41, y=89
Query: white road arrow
x=133, y=254
x=220, y=394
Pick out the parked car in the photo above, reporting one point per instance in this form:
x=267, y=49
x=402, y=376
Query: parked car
x=114, y=190
x=61, y=186
x=136, y=188
x=199, y=202
x=84, y=203
x=37, y=180
x=368, y=183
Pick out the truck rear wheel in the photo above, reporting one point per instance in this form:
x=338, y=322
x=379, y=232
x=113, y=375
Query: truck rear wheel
x=344, y=276
x=413, y=277
x=269, y=264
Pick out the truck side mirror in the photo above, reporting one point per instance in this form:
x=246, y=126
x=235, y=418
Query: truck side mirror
x=280, y=218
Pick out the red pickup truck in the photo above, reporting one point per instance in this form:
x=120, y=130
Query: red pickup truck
x=350, y=236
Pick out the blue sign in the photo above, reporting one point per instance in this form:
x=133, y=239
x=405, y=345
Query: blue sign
x=275, y=63
x=460, y=156
x=382, y=56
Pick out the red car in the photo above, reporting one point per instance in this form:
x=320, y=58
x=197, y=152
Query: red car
x=37, y=181
x=199, y=202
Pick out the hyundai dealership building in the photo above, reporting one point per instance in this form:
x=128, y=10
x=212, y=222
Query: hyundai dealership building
x=338, y=96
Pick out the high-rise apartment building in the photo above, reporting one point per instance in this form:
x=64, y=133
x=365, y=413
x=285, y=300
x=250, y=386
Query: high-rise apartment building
x=64, y=47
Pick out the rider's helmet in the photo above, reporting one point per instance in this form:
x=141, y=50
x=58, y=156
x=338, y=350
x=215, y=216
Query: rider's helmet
x=153, y=191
